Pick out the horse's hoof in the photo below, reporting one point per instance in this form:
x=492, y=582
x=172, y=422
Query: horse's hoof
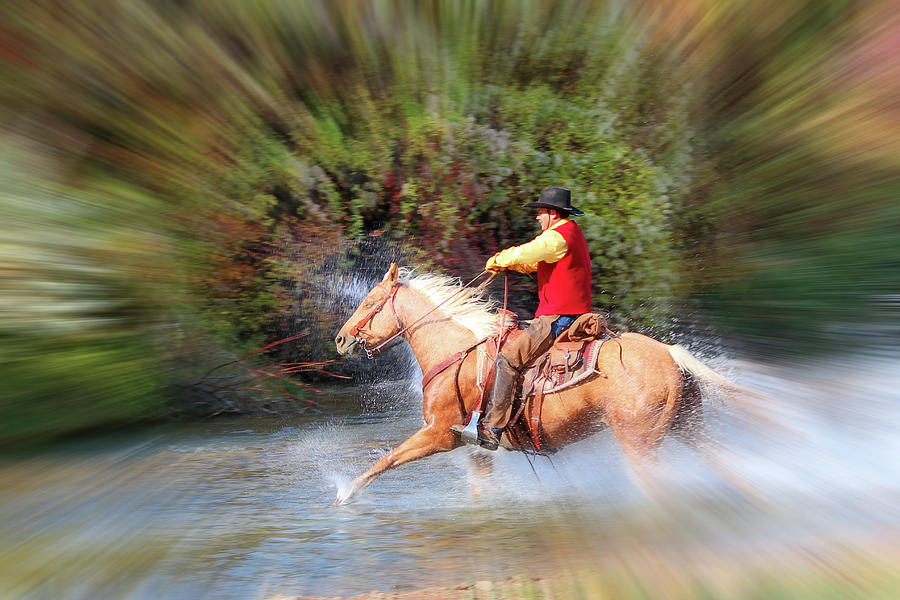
x=343, y=498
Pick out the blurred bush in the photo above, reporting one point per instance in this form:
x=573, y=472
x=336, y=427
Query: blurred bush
x=187, y=179
x=801, y=122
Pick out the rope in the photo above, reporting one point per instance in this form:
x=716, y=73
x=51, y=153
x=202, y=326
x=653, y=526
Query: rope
x=500, y=336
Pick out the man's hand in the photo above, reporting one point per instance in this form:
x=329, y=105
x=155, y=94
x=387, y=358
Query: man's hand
x=492, y=265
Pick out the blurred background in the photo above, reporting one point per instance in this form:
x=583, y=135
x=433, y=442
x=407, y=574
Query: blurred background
x=185, y=182
x=179, y=178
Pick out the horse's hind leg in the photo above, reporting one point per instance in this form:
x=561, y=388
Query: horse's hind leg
x=640, y=440
x=425, y=442
x=639, y=452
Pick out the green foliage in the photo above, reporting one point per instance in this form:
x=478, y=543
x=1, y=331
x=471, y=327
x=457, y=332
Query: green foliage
x=76, y=383
x=802, y=198
x=199, y=168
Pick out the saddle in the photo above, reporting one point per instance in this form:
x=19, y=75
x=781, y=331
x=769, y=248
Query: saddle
x=571, y=360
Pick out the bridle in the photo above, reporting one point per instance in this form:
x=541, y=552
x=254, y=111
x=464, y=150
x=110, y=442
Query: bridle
x=356, y=329
x=372, y=352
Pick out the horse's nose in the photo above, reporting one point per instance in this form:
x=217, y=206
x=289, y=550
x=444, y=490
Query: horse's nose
x=339, y=342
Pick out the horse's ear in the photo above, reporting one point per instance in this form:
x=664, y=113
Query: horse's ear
x=390, y=278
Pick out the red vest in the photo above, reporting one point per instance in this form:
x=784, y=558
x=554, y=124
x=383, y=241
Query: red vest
x=564, y=287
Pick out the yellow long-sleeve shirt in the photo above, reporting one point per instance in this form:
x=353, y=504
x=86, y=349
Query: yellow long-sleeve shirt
x=549, y=247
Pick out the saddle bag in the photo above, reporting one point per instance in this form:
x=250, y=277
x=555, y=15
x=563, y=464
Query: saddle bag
x=566, y=357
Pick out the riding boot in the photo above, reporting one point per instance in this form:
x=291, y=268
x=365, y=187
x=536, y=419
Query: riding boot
x=503, y=395
x=506, y=381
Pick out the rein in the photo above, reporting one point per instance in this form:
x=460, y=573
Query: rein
x=372, y=352
x=462, y=354
x=354, y=331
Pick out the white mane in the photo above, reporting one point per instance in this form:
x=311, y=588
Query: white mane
x=468, y=308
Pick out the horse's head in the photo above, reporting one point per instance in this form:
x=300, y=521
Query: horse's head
x=370, y=325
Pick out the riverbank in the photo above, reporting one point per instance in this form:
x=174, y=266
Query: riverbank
x=837, y=572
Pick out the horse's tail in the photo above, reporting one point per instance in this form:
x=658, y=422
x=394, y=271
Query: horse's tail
x=755, y=403
x=704, y=375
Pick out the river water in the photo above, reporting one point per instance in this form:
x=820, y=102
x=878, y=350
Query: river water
x=242, y=508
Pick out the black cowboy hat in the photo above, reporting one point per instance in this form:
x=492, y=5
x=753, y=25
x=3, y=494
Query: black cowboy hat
x=557, y=198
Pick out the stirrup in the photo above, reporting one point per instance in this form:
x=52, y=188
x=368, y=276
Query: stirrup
x=469, y=434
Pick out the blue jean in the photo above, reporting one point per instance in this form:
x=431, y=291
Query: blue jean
x=561, y=324
x=539, y=335
x=515, y=356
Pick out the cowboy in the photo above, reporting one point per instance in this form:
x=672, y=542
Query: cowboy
x=560, y=257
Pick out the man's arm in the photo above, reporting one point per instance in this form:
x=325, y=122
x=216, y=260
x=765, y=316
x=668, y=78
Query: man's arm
x=548, y=247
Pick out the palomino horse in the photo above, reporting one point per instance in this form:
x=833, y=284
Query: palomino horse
x=650, y=388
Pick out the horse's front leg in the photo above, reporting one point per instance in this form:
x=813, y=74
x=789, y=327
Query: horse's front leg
x=429, y=440
x=481, y=467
